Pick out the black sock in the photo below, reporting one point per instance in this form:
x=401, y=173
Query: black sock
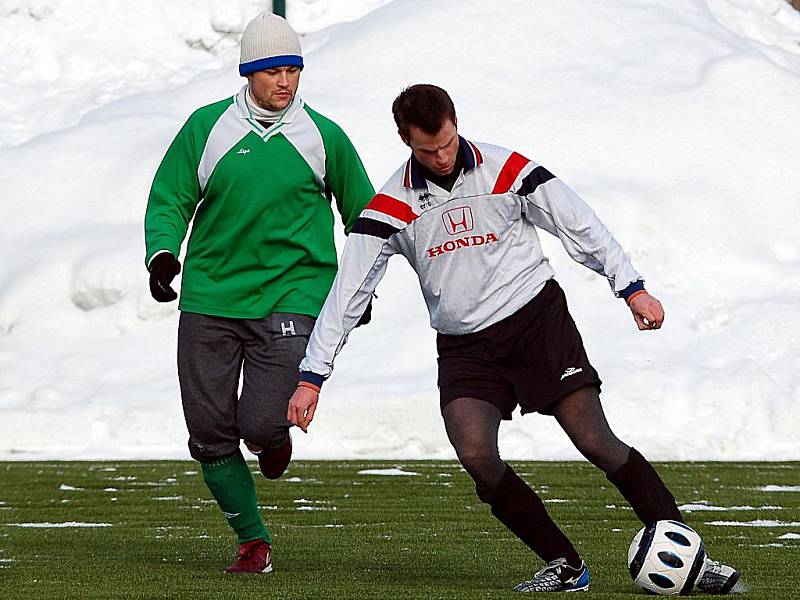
x=518, y=507
x=644, y=490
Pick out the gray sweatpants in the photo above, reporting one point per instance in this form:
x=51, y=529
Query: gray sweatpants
x=212, y=352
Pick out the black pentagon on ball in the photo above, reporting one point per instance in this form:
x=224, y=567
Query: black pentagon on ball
x=678, y=538
x=660, y=580
x=641, y=553
x=670, y=559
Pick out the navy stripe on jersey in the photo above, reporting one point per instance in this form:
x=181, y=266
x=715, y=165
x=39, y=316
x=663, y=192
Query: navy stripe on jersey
x=407, y=174
x=533, y=180
x=478, y=155
x=470, y=157
x=374, y=228
x=414, y=178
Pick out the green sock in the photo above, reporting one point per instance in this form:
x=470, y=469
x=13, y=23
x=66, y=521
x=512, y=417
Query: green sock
x=232, y=486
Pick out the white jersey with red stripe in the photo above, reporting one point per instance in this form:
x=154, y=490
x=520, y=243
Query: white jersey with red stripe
x=475, y=248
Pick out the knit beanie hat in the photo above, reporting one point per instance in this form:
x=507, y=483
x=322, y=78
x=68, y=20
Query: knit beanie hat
x=269, y=41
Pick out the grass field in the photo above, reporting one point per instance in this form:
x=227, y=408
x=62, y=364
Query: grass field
x=341, y=534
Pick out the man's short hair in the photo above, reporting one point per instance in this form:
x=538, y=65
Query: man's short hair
x=424, y=106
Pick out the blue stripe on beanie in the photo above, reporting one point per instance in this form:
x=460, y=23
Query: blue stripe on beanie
x=286, y=60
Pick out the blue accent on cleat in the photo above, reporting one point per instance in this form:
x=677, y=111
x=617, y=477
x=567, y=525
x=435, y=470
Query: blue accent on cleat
x=557, y=576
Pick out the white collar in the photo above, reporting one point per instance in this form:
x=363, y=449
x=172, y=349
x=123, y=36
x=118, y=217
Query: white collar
x=250, y=111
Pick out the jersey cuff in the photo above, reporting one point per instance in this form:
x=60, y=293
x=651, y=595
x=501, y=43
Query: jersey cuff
x=636, y=286
x=312, y=378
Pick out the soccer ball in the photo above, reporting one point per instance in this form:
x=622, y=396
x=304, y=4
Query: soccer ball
x=666, y=558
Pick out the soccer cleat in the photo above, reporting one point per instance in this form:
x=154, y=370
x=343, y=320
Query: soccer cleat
x=717, y=578
x=273, y=461
x=557, y=576
x=252, y=557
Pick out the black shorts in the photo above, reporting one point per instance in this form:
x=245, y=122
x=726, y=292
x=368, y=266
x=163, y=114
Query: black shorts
x=532, y=358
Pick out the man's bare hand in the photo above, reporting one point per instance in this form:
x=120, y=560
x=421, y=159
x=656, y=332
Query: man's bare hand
x=302, y=407
x=647, y=311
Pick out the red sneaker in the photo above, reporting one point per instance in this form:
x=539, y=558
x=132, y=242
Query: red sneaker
x=273, y=461
x=252, y=557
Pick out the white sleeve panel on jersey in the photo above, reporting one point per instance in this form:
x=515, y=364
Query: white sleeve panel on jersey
x=556, y=208
x=362, y=266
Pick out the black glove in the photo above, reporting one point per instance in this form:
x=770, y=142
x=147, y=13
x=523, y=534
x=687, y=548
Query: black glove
x=367, y=316
x=163, y=269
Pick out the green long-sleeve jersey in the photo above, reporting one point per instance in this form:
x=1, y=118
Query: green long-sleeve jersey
x=259, y=202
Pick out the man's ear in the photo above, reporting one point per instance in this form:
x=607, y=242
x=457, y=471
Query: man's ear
x=404, y=138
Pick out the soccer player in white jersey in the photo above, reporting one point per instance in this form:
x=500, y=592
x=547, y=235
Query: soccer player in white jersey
x=466, y=216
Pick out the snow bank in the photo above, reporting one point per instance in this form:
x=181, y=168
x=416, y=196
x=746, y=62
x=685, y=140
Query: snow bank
x=675, y=119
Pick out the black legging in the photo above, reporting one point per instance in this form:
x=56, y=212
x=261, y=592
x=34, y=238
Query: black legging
x=472, y=427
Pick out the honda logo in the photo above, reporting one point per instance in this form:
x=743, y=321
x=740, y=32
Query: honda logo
x=458, y=220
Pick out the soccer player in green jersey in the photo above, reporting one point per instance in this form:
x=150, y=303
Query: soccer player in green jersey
x=255, y=174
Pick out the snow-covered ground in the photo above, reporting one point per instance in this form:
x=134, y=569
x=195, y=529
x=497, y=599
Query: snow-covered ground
x=675, y=119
